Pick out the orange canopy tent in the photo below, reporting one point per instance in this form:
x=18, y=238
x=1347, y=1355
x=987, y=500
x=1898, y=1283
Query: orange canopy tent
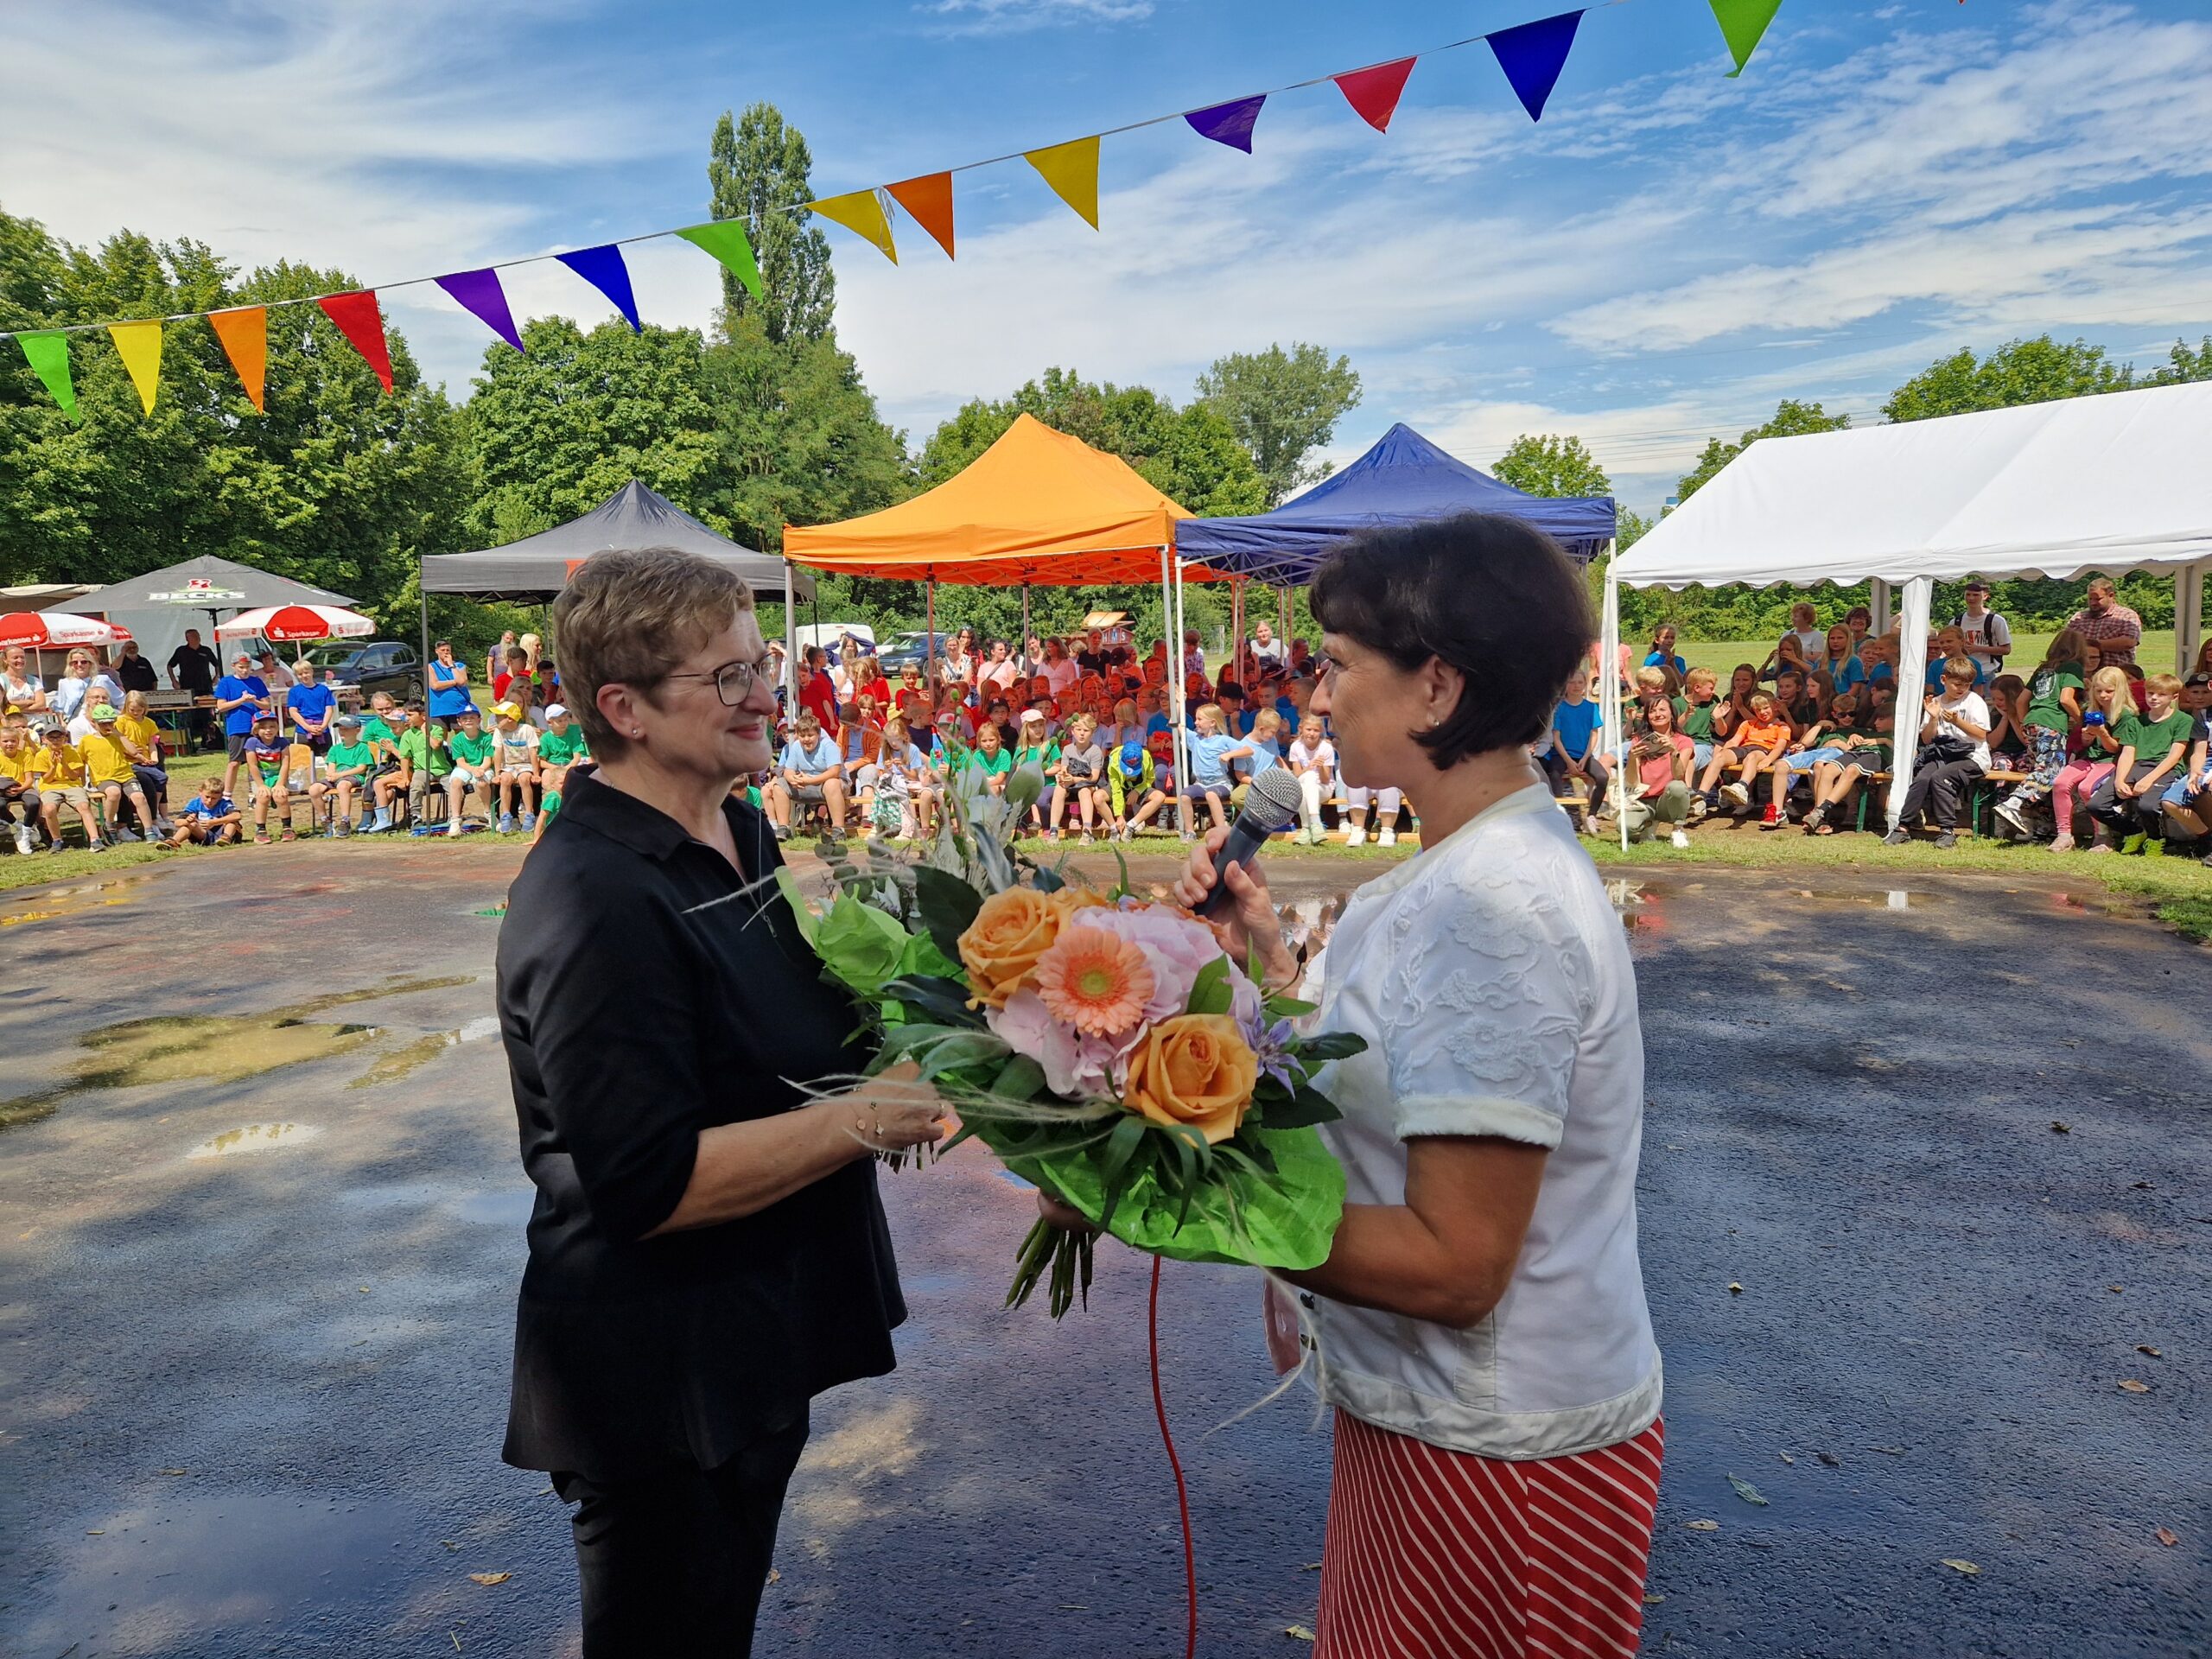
x=1036, y=508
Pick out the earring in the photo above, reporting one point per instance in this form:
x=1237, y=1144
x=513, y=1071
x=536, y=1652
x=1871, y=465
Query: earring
x=637, y=731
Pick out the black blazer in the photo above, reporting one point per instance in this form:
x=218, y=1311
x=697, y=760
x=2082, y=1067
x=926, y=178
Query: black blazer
x=632, y=1020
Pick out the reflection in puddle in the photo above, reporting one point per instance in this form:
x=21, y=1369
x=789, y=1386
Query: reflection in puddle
x=64, y=901
x=213, y=1049
x=254, y=1137
x=404, y=1061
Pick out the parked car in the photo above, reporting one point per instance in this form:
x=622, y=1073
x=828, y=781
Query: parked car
x=374, y=665
x=910, y=647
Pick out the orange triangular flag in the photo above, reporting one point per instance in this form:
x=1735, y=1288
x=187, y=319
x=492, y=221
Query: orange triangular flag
x=245, y=334
x=929, y=199
x=861, y=213
x=1072, y=171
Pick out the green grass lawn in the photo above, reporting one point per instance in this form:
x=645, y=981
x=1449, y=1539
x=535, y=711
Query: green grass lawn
x=1721, y=656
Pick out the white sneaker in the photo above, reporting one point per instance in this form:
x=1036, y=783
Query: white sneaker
x=1387, y=838
x=23, y=844
x=1682, y=840
x=1736, y=795
x=1356, y=835
x=2010, y=814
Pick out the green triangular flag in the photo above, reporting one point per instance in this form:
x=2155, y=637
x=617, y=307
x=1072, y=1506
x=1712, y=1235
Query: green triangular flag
x=49, y=355
x=1742, y=23
x=726, y=240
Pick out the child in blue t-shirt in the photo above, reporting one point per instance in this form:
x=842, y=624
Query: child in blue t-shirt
x=1574, y=743
x=1210, y=751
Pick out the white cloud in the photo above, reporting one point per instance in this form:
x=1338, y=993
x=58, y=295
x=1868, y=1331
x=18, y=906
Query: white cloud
x=954, y=18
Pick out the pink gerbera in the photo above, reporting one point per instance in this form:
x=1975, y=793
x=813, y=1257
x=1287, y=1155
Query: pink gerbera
x=1093, y=980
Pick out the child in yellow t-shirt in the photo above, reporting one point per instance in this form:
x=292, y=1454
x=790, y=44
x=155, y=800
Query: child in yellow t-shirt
x=59, y=770
x=143, y=739
x=107, y=766
x=18, y=794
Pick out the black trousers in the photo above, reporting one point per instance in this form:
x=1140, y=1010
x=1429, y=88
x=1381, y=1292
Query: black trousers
x=673, y=1565
x=2139, y=815
x=1947, y=784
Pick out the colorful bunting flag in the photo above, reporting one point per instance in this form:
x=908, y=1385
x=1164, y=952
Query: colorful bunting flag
x=1374, y=93
x=1743, y=23
x=479, y=293
x=1228, y=123
x=726, y=240
x=861, y=213
x=359, y=320
x=139, y=346
x=603, y=269
x=1532, y=54
x=244, y=331
x=49, y=356
x=1072, y=171
x=929, y=199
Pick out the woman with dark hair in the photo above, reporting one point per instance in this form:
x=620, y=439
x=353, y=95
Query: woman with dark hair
x=707, y=1251
x=1480, y=1325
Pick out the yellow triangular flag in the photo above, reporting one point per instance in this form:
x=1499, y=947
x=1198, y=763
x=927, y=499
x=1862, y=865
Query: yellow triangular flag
x=861, y=213
x=1072, y=171
x=139, y=346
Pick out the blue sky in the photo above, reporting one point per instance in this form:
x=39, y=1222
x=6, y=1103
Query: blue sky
x=1667, y=255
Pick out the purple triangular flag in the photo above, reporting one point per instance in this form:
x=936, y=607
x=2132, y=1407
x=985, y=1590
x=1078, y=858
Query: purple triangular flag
x=1228, y=123
x=1532, y=54
x=479, y=294
x=603, y=269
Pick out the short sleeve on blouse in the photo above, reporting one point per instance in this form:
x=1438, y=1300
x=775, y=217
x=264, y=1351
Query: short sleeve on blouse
x=1489, y=993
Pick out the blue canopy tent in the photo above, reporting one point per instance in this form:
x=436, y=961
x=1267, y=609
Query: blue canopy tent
x=1403, y=480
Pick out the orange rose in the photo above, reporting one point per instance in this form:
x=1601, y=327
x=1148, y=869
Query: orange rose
x=1001, y=945
x=1195, y=1069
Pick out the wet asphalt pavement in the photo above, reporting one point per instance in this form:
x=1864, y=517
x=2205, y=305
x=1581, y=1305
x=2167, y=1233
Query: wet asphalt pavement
x=252, y=1387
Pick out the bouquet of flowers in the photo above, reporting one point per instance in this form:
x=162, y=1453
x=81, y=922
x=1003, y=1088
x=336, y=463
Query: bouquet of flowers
x=1105, y=1047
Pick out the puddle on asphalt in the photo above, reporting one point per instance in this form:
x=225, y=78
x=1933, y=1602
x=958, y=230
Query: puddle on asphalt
x=253, y=1137
x=68, y=901
x=405, y=1060
x=213, y=1049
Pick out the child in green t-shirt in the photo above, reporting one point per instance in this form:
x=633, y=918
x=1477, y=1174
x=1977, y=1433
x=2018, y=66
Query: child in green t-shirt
x=2049, y=711
x=347, y=776
x=991, y=757
x=559, y=745
x=2153, y=748
x=1037, y=749
x=471, y=747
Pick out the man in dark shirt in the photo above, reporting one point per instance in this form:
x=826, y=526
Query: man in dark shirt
x=133, y=673
x=192, y=668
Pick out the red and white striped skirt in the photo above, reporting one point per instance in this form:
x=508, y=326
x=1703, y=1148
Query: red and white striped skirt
x=1438, y=1554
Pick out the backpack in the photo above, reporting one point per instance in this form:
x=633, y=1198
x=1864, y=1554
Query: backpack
x=1990, y=621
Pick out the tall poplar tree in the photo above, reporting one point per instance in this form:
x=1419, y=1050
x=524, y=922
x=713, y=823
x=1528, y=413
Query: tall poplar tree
x=758, y=168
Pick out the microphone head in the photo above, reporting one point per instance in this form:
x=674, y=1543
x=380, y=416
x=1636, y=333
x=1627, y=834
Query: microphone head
x=1272, y=803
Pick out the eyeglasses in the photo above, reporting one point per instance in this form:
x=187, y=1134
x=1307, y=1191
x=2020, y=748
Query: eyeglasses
x=732, y=681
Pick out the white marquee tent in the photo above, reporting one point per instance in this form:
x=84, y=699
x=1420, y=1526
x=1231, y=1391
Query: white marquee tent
x=2109, y=484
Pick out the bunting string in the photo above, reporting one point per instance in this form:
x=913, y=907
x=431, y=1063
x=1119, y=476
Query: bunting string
x=1531, y=56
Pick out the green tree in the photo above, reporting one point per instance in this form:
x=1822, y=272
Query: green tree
x=1552, y=466
x=1281, y=406
x=1791, y=418
x=2183, y=364
x=758, y=168
x=2036, y=371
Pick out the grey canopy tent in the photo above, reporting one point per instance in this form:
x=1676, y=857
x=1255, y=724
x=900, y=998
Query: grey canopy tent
x=535, y=570
x=159, y=606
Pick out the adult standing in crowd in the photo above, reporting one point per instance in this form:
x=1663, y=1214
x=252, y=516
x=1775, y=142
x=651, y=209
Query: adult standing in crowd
x=23, y=689
x=132, y=671
x=450, y=698
x=2111, y=626
x=193, y=670
x=707, y=1251
x=500, y=659
x=1480, y=1323
x=1988, y=636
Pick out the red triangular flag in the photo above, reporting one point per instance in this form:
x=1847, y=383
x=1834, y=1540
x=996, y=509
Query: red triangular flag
x=359, y=320
x=1374, y=92
x=929, y=199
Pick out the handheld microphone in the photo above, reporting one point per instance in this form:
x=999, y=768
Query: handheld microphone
x=1270, y=804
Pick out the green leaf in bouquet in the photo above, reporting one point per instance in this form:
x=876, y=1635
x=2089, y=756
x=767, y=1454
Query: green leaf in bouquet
x=921, y=959
x=958, y=1050
x=859, y=945
x=1306, y=1109
x=1120, y=1146
x=1210, y=992
x=1023, y=785
x=1315, y=1053
x=901, y=1041
x=944, y=1000
x=947, y=905
x=1122, y=889
x=1288, y=1007
x=1021, y=1078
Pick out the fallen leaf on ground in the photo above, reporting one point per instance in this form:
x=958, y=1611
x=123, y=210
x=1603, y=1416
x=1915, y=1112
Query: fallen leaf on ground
x=773, y=1575
x=2058, y=1127
x=1966, y=1568
x=1297, y=1632
x=1311, y=1566
x=1702, y=1526
x=95, y=1532
x=2141, y=1186
x=1735, y=1289
x=1745, y=1491
x=2146, y=1348
x=1652, y=1601
x=1829, y=1458
x=489, y=1577
x=1888, y=1451
x=2167, y=1537
x=1787, y=1458
x=2113, y=1288
x=177, y=1471
x=2133, y=1387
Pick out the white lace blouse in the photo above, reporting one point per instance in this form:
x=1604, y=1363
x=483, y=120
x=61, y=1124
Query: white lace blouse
x=1494, y=987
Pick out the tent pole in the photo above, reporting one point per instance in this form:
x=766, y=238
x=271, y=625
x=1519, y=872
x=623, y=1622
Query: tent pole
x=1182, y=718
x=929, y=627
x=791, y=641
x=1879, y=591
x=1021, y=651
x=1912, y=679
x=2189, y=609
x=1609, y=712
x=422, y=592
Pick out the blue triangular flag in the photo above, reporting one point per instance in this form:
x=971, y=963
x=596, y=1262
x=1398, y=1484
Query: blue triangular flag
x=603, y=269
x=1532, y=55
